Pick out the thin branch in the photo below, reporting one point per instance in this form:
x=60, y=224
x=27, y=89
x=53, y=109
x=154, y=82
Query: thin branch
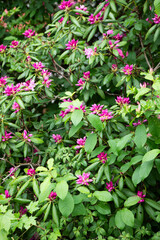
x=156, y=68
x=145, y=55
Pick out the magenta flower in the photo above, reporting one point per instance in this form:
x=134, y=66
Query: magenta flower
x=47, y=82
x=86, y=75
x=120, y=52
x=121, y=101
x=7, y=194
x=105, y=115
x=6, y=137
x=102, y=157
x=84, y=179
x=80, y=142
x=118, y=37
x=82, y=7
x=2, y=48
x=61, y=20
x=141, y=195
x=12, y=171
x=114, y=67
x=27, y=159
x=38, y=66
x=24, y=134
x=28, y=59
x=128, y=69
x=16, y=107
x=139, y=122
x=156, y=19
x=82, y=107
x=22, y=211
x=89, y=52
x=96, y=109
x=11, y=90
x=3, y=81
x=52, y=196
x=72, y=44
x=80, y=83
x=65, y=5
x=113, y=45
x=45, y=73
x=110, y=186
x=109, y=32
x=29, y=33
x=29, y=85
x=14, y=44
x=57, y=138
x=95, y=19
x=31, y=172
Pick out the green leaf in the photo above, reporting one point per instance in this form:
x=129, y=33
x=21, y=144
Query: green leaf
x=36, y=187
x=103, y=196
x=37, y=140
x=131, y=201
x=127, y=217
x=66, y=205
x=79, y=210
x=50, y=163
x=99, y=8
x=113, y=6
x=76, y=117
x=95, y=122
x=65, y=20
x=123, y=141
x=118, y=220
x=150, y=155
x=20, y=102
x=103, y=208
x=150, y=31
x=152, y=203
x=136, y=178
x=3, y=234
x=74, y=20
x=156, y=35
x=46, y=213
x=141, y=92
x=45, y=188
x=145, y=169
x=55, y=216
x=157, y=7
x=61, y=189
x=91, y=142
x=92, y=33
x=80, y=11
x=75, y=129
x=140, y=136
x=23, y=188
x=83, y=190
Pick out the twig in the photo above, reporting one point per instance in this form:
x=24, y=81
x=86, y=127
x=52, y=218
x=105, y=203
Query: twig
x=145, y=55
x=156, y=68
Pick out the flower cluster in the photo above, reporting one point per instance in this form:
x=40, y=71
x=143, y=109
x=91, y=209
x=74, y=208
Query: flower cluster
x=46, y=80
x=2, y=48
x=6, y=137
x=57, y=138
x=11, y=90
x=38, y=66
x=65, y=5
x=29, y=33
x=31, y=172
x=141, y=195
x=95, y=19
x=22, y=211
x=12, y=171
x=14, y=44
x=90, y=52
x=80, y=142
x=26, y=138
x=96, y=109
x=102, y=157
x=82, y=7
x=81, y=82
x=156, y=19
x=121, y=101
x=3, y=81
x=72, y=44
x=84, y=179
x=70, y=109
x=128, y=69
x=16, y=107
x=103, y=113
x=7, y=194
x=52, y=196
x=110, y=186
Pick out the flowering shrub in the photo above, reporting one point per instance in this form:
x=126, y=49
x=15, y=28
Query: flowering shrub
x=79, y=124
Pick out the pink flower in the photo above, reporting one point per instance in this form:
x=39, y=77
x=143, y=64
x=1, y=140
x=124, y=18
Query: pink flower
x=113, y=45
x=121, y=101
x=84, y=179
x=3, y=81
x=139, y=122
x=16, y=107
x=12, y=171
x=61, y=20
x=80, y=83
x=114, y=67
x=57, y=138
x=11, y=90
x=95, y=19
x=141, y=195
x=86, y=75
x=7, y=194
x=29, y=33
x=144, y=85
x=105, y=115
x=31, y=172
x=65, y=5
x=45, y=73
x=6, y=137
x=128, y=69
x=27, y=159
x=96, y=109
x=120, y=52
x=118, y=37
x=2, y=48
x=82, y=7
x=29, y=85
x=109, y=32
x=156, y=19
x=52, y=196
x=24, y=134
x=28, y=59
x=89, y=52
x=14, y=44
x=110, y=186
x=102, y=157
x=80, y=142
x=38, y=66
x=72, y=44
x=47, y=82
x=82, y=107
x=22, y=211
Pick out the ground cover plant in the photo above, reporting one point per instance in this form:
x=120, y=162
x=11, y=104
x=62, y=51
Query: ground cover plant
x=80, y=122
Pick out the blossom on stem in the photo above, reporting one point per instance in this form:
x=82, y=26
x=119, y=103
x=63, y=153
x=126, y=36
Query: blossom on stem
x=6, y=137
x=57, y=138
x=121, y=101
x=109, y=32
x=11, y=90
x=139, y=122
x=110, y=186
x=2, y=48
x=52, y=196
x=29, y=85
x=27, y=159
x=84, y=179
x=12, y=171
x=72, y=44
x=141, y=195
x=65, y=5
x=86, y=75
x=7, y=194
x=38, y=66
x=114, y=67
x=156, y=19
x=102, y=157
x=47, y=82
x=105, y=115
x=16, y=107
x=95, y=19
x=14, y=44
x=3, y=81
x=82, y=7
x=31, y=172
x=90, y=52
x=96, y=109
x=22, y=211
x=24, y=134
x=128, y=69
x=61, y=20
x=118, y=37
x=28, y=59
x=80, y=83
x=80, y=142
x=29, y=33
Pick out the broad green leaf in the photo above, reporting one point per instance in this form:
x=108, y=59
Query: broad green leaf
x=123, y=141
x=103, y=208
x=45, y=189
x=66, y=205
x=136, y=178
x=50, y=163
x=91, y=142
x=55, y=216
x=103, y=196
x=37, y=140
x=76, y=117
x=131, y=201
x=61, y=189
x=83, y=190
x=152, y=203
x=118, y=220
x=141, y=92
x=95, y=122
x=20, y=102
x=127, y=217
x=145, y=169
x=151, y=155
x=157, y=7
x=140, y=136
x=75, y=129
x=79, y=210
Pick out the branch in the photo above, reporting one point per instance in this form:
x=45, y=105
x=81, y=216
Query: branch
x=145, y=55
x=156, y=68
